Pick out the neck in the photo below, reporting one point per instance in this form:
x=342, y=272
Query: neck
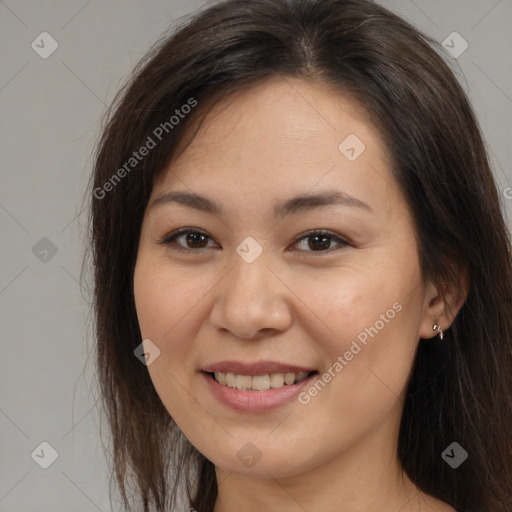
x=340, y=494
x=364, y=477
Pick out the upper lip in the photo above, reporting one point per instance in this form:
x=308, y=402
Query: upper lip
x=252, y=369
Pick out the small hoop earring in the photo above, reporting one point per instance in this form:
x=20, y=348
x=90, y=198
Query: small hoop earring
x=437, y=328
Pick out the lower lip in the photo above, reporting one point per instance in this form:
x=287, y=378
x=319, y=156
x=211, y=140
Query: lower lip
x=256, y=401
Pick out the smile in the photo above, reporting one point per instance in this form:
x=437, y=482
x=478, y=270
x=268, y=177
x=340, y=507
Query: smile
x=256, y=387
x=259, y=382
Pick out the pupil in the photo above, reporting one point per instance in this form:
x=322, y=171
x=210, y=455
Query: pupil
x=324, y=244
x=193, y=238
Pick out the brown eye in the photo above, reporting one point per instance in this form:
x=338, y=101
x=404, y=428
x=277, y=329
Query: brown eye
x=192, y=240
x=195, y=240
x=186, y=240
x=320, y=241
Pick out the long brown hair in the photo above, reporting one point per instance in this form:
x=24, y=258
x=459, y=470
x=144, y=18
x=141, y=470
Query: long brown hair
x=461, y=389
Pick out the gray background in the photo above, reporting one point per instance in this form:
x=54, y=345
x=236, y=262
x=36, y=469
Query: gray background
x=50, y=118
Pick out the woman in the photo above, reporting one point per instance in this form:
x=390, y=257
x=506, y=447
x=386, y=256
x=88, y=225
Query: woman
x=303, y=279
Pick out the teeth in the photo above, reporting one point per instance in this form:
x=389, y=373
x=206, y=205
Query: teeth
x=289, y=378
x=230, y=380
x=259, y=382
x=277, y=380
x=243, y=382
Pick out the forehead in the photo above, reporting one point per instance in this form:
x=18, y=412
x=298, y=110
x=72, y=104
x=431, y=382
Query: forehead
x=284, y=136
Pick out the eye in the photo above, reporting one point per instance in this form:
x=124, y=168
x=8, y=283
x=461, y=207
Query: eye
x=320, y=241
x=194, y=240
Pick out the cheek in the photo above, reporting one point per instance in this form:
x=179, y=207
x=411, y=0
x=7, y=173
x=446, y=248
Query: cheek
x=165, y=308
x=371, y=319
x=160, y=305
x=348, y=306
x=163, y=299
x=369, y=350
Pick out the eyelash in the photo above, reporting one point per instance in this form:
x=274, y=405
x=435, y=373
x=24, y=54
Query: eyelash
x=171, y=237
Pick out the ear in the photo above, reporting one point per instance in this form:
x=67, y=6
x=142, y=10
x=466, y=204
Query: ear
x=443, y=301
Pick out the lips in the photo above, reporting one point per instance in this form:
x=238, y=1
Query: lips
x=256, y=387
x=255, y=401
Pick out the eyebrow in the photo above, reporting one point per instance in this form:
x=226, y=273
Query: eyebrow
x=293, y=205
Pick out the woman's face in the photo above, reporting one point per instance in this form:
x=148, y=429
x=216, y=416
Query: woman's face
x=256, y=295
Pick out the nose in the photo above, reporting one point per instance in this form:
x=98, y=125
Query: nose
x=251, y=302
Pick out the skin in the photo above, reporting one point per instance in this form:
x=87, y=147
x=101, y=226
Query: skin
x=272, y=141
